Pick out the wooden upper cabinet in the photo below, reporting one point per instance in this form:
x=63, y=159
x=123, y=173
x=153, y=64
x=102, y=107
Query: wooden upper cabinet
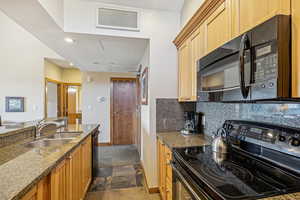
x=185, y=71
x=218, y=26
x=254, y=12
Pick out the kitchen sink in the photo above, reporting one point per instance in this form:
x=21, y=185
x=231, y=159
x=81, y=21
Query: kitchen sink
x=65, y=135
x=47, y=143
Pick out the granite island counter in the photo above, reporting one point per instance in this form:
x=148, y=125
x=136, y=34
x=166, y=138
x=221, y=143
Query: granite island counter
x=21, y=167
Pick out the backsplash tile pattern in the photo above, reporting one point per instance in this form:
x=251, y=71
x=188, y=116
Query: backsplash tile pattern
x=217, y=113
x=170, y=114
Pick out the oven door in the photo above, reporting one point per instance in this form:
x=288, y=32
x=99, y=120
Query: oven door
x=184, y=188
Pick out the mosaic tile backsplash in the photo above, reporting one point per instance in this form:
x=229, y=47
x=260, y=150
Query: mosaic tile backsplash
x=217, y=113
x=170, y=114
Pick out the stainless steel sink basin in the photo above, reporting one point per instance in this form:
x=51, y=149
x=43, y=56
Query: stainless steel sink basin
x=47, y=143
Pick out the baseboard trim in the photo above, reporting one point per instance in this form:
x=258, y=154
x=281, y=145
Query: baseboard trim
x=152, y=190
x=104, y=144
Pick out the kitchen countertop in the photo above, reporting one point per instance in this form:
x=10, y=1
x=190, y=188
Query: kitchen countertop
x=176, y=139
x=22, y=167
x=11, y=128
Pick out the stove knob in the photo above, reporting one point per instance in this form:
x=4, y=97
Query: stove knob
x=294, y=142
x=282, y=138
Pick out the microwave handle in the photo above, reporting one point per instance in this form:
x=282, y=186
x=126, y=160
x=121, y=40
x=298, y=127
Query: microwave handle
x=245, y=44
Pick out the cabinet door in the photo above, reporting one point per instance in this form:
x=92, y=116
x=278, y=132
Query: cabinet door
x=218, y=26
x=31, y=195
x=197, y=50
x=255, y=12
x=185, y=71
x=86, y=164
x=58, y=182
x=76, y=174
x=295, y=48
x=161, y=170
x=169, y=191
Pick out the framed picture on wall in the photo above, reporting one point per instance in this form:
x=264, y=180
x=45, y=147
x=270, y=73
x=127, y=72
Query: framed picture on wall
x=144, y=87
x=14, y=104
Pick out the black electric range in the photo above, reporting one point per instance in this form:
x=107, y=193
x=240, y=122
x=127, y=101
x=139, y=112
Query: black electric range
x=263, y=161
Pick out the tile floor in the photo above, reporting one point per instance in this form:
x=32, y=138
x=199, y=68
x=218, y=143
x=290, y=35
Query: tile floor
x=119, y=175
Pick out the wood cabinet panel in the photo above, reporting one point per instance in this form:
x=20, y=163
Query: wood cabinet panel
x=58, y=182
x=218, y=26
x=185, y=70
x=165, y=171
x=31, y=195
x=254, y=12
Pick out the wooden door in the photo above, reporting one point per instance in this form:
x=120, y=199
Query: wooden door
x=123, y=111
x=138, y=120
x=218, y=26
x=295, y=48
x=185, y=70
x=72, y=106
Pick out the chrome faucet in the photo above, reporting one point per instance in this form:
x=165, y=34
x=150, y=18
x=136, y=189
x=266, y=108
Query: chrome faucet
x=39, y=126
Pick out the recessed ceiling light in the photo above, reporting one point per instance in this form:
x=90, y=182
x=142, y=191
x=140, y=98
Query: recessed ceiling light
x=69, y=40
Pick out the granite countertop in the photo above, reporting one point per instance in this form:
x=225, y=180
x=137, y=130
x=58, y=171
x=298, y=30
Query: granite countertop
x=176, y=139
x=22, y=167
x=10, y=128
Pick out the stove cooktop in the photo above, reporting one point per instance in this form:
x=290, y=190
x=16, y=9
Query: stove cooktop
x=235, y=176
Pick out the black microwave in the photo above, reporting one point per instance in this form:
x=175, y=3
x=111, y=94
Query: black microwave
x=255, y=66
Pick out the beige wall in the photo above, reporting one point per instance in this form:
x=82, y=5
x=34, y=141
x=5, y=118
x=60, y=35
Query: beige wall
x=22, y=70
x=55, y=72
x=93, y=111
x=71, y=76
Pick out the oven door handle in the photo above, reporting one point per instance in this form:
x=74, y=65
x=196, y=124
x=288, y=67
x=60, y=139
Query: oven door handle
x=189, y=187
x=220, y=90
x=245, y=44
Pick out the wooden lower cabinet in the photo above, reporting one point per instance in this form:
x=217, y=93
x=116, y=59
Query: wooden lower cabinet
x=165, y=171
x=69, y=180
x=41, y=191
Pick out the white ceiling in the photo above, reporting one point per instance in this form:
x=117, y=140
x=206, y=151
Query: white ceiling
x=171, y=5
x=89, y=52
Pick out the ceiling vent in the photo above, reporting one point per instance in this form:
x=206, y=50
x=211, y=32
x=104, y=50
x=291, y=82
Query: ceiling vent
x=118, y=19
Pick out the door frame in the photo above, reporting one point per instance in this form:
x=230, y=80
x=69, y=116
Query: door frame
x=111, y=103
x=63, y=98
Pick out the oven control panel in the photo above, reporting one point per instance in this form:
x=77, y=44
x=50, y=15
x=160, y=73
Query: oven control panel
x=282, y=139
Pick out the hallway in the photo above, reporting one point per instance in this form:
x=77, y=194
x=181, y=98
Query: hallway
x=119, y=176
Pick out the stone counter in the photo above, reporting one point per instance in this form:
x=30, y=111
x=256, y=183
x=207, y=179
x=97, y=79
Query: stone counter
x=22, y=167
x=175, y=139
